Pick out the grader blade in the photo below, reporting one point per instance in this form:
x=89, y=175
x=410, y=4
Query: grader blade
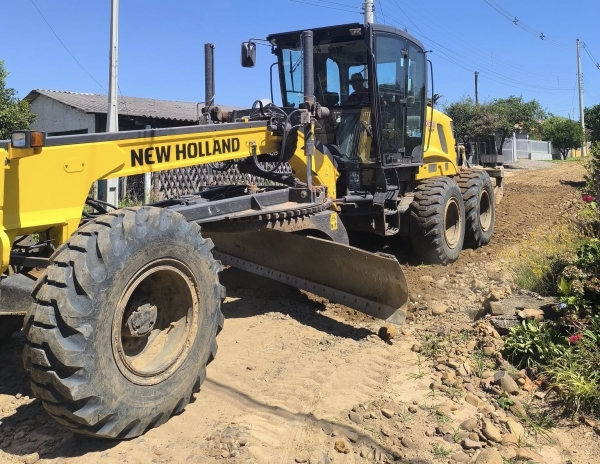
x=370, y=283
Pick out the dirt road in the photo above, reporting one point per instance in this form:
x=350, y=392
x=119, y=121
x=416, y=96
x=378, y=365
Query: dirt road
x=298, y=379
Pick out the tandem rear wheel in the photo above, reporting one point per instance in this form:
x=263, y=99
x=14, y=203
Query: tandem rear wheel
x=124, y=323
x=437, y=220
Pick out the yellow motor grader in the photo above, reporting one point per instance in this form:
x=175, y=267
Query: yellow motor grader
x=121, y=307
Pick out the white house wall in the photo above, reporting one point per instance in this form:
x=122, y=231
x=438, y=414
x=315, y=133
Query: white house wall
x=53, y=116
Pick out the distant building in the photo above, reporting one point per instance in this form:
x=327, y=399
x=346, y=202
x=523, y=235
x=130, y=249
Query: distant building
x=69, y=113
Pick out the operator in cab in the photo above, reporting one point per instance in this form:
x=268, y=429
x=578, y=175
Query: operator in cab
x=360, y=93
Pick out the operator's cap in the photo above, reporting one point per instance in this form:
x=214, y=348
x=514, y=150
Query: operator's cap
x=357, y=77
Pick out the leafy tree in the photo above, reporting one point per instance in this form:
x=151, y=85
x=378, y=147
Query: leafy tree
x=592, y=122
x=516, y=115
x=563, y=133
x=462, y=113
x=14, y=113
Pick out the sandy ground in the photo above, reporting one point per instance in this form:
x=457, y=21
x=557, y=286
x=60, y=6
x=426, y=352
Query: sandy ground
x=296, y=375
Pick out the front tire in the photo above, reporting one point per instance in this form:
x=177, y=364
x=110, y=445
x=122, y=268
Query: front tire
x=124, y=323
x=478, y=196
x=437, y=220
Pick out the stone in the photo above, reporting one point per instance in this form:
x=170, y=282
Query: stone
x=444, y=410
x=489, y=350
x=517, y=409
x=385, y=431
x=465, y=370
x=412, y=410
x=467, y=443
x=497, y=309
x=426, y=278
x=510, y=440
x=528, y=385
x=474, y=400
x=516, y=429
x=439, y=309
x=406, y=442
x=530, y=313
x=302, y=457
x=417, y=347
x=387, y=332
x=342, y=447
x=443, y=429
x=159, y=451
x=387, y=413
x=469, y=424
x=487, y=374
x=365, y=452
x=460, y=457
x=491, y=432
x=489, y=456
x=31, y=458
x=508, y=453
x=487, y=409
x=356, y=418
x=506, y=382
x=525, y=454
x=327, y=429
x=352, y=436
x=470, y=347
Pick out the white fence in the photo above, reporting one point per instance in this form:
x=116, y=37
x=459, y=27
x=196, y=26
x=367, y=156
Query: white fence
x=520, y=147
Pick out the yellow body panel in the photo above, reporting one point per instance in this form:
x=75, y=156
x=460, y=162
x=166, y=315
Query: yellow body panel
x=45, y=188
x=438, y=161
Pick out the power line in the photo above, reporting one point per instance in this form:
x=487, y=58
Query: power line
x=517, y=22
x=329, y=7
x=589, y=53
x=65, y=47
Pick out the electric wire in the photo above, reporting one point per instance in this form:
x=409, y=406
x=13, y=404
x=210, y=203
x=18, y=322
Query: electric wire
x=517, y=22
x=326, y=6
x=65, y=47
x=589, y=53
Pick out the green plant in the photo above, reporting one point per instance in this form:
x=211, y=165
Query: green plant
x=505, y=402
x=591, y=168
x=440, y=452
x=576, y=376
x=480, y=362
x=532, y=343
x=421, y=372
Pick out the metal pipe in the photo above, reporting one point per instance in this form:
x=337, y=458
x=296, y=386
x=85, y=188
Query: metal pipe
x=209, y=73
x=309, y=93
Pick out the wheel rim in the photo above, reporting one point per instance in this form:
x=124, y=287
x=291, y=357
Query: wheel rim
x=452, y=223
x=485, y=210
x=155, y=322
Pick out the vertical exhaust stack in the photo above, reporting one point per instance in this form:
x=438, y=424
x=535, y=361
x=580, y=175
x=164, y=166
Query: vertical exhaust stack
x=209, y=74
x=309, y=97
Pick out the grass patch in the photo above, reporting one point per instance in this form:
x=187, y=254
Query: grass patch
x=440, y=452
x=538, y=261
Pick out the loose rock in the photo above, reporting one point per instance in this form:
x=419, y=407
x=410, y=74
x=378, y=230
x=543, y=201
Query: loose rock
x=489, y=456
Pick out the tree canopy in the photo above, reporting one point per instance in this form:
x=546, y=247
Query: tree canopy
x=564, y=134
x=14, y=113
x=592, y=122
x=500, y=117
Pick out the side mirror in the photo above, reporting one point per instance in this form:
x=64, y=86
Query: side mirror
x=248, y=54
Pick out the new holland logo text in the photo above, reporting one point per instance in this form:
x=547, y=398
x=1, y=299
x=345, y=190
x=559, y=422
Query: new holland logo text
x=182, y=151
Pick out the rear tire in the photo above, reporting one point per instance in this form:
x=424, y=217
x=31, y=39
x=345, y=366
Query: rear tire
x=478, y=196
x=437, y=220
x=124, y=322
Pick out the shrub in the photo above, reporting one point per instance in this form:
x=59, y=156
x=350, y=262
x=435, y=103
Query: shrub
x=591, y=167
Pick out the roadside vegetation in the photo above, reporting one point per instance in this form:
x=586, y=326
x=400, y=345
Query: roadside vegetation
x=564, y=352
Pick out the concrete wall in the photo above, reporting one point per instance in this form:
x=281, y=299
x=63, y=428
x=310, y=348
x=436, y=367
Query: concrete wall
x=53, y=116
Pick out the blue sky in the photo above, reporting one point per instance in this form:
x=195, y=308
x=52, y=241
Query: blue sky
x=161, y=45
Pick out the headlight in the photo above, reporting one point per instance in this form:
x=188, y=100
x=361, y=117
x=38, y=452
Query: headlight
x=28, y=139
x=18, y=140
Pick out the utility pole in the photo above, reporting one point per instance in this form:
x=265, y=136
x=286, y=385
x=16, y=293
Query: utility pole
x=369, y=9
x=581, y=115
x=477, y=88
x=112, y=121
